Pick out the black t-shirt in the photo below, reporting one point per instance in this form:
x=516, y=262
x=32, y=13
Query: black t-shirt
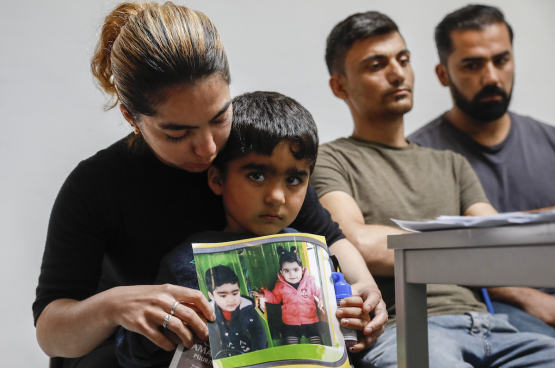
x=518, y=174
x=118, y=213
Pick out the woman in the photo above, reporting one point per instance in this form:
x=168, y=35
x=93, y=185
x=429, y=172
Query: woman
x=120, y=211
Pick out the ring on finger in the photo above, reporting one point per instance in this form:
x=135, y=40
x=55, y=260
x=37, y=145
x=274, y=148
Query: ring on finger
x=174, y=306
x=384, y=310
x=167, y=320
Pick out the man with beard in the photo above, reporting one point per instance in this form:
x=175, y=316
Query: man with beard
x=375, y=175
x=513, y=155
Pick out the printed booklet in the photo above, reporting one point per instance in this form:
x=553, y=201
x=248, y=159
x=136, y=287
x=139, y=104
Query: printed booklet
x=275, y=304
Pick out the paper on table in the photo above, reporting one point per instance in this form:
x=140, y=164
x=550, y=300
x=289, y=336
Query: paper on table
x=457, y=222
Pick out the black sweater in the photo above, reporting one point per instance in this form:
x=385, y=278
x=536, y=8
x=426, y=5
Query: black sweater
x=118, y=213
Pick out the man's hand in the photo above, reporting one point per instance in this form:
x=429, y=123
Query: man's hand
x=532, y=301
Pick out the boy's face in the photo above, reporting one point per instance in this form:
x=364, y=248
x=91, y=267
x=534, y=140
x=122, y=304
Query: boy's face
x=262, y=194
x=291, y=272
x=226, y=296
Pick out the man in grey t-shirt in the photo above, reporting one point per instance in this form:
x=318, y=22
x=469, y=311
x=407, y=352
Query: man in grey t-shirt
x=513, y=155
x=374, y=175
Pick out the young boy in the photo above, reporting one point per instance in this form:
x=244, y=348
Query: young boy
x=262, y=175
x=237, y=328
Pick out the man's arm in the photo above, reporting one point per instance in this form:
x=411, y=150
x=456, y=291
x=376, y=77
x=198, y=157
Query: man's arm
x=370, y=240
x=532, y=301
x=480, y=209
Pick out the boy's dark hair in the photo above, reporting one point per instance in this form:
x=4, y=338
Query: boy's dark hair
x=471, y=17
x=263, y=119
x=356, y=27
x=218, y=276
x=290, y=256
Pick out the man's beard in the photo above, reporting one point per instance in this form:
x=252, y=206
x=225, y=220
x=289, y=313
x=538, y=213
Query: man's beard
x=483, y=111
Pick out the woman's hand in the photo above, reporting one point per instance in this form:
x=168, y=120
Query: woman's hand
x=142, y=309
x=355, y=313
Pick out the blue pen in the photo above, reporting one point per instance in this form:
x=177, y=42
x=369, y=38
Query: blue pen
x=487, y=300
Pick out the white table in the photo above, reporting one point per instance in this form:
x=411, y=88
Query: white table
x=521, y=255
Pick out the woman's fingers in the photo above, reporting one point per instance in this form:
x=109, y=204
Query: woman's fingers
x=172, y=336
x=352, y=301
x=195, y=297
x=379, y=320
x=157, y=337
x=182, y=331
x=371, y=301
x=142, y=309
x=359, y=346
x=353, y=317
x=189, y=319
x=351, y=313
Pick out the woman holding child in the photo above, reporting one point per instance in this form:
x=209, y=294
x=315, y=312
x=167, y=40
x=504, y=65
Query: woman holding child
x=120, y=211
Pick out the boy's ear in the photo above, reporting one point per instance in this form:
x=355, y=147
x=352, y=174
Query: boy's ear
x=215, y=180
x=210, y=296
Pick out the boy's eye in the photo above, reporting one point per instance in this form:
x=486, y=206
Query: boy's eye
x=255, y=176
x=294, y=180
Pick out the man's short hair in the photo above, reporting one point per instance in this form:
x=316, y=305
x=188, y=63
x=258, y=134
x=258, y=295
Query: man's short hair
x=356, y=27
x=263, y=119
x=218, y=276
x=471, y=17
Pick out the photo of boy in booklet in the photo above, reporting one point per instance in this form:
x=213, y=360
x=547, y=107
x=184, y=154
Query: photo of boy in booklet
x=262, y=175
x=237, y=328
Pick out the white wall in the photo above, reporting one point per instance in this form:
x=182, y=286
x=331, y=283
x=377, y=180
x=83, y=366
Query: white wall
x=51, y=115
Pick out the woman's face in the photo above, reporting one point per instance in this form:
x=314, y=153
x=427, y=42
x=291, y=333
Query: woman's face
x=190, y=126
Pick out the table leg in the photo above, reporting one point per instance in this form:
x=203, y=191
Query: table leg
x=412, y=318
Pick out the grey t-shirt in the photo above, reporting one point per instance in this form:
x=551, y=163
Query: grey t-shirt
x=409, y=183
x=518, y=174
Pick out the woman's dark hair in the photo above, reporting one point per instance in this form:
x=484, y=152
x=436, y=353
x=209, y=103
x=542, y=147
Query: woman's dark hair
x=471, y=17
x=263, y=119
x=290, y=256
x=347, y=32
x=218, y=276
x=146, y=48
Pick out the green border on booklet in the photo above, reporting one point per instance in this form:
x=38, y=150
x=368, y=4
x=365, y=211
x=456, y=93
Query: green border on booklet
x=318, y=353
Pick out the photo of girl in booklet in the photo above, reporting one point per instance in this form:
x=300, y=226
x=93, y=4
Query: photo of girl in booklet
x=300, y=297
x=274, y=301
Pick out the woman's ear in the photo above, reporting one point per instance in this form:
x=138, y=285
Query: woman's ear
x=215, y=180
x=127, y=116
